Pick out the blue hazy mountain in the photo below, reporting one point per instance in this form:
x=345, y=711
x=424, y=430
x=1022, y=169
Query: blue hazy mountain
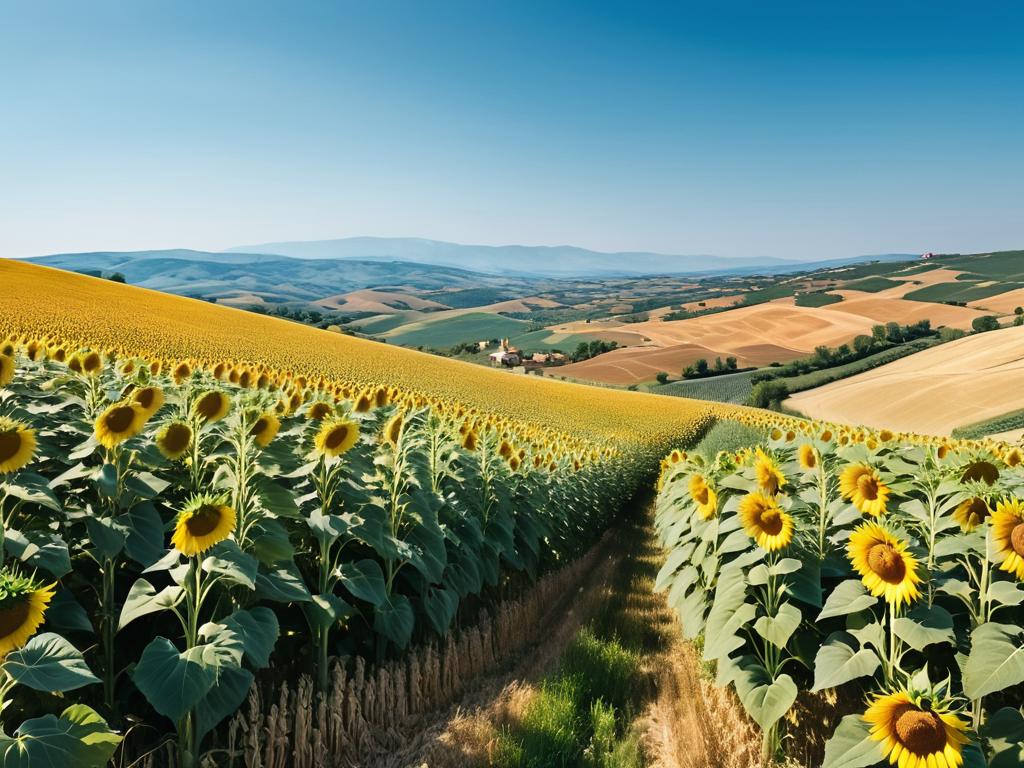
x=555, y=261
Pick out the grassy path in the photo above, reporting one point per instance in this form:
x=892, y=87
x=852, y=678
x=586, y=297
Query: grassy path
x=612, y=685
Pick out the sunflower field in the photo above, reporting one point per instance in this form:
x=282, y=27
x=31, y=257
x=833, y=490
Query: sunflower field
x=170, y=528
x=884, y=571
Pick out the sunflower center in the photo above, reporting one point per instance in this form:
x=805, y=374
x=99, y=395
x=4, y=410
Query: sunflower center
x=10, y=443
x=203, y=521
x=177, y=438
x=319, y=410
x=144, y=397
x=868, y=487
x=12, y=617
x=977, y=510
x=885, y=561
x=209, y=405
x=120, y=418
x=260, y=426
x=771, y=521
x=336, y=437
x=1017, y=538
x=920, y=732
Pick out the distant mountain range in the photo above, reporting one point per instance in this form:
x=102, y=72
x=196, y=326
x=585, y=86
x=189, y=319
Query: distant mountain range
x=551, y=261
x=236, y=277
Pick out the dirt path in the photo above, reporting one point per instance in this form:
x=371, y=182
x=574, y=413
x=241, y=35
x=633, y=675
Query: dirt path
x=685, y=722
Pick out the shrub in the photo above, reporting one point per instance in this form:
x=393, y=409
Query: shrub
x=662, y=377
x=985, y=323
x=769, y=394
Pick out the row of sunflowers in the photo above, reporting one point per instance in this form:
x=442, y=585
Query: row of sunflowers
x=169, y=529
x=881, y=566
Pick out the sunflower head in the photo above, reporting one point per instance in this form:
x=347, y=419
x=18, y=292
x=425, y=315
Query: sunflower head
x=765, y=521
x=180, y=372
x=971, y=513
x=6, y=370
x=885, y=566
x=336, y=437
x=212, y=406
x=1008, y=535
x=319, y=410
x=202, y=523
x=393, y=429
x=119, y=422
x=149, y=399
x=173, y=439
x=769, y=477
x=265, y=429
x=470, y=440
x=23, y=603
x=982, y=470
x=861, y=485
x=91, y=363
x=17, y=445
x=916, y=731
x=808, y=456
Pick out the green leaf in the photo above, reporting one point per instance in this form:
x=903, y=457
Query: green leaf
x=851, y=746
x=270, y=542
x=1004, y=731
x=230, y=562
x=765, y=700
x=326, y=610
x=143, y=599
x=173, y=682
x=779, y=628
x=804, y=584
x=850, y=596
x=145, y=542
x=394, y=620
x=40, y=550
x=276, y=499
x=1006, y=592
x=729, y=613
x=924, y=626
x=66, y=614
x=259, y=630
x=34, y=489
x=839, y=662
x=49, y=663
x=222, y=700
x=107, y=535
x=79, y=738
x=440, y=605
x=365, y=580
x=283, y=584
x=996, y=660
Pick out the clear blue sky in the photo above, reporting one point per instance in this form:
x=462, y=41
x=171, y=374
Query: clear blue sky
x=814, y=129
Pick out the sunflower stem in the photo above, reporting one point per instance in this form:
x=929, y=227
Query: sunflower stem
x=109, y=629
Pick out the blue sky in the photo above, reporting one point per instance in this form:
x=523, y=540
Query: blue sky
x=804, y=130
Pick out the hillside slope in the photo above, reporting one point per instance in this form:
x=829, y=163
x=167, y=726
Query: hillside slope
x=39, y=300
x=962, y=382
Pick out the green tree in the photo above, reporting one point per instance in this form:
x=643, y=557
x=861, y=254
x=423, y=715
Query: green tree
x=662, y=377
x=985, y=323
x=769, y=394
x=862, y=344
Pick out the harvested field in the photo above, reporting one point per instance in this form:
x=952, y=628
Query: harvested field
x=369, y=300
x=932, y=392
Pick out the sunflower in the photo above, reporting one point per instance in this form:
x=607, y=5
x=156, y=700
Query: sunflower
x=91, y=363
x=470, y=440
x=885, y=566
x=203, y=522
x=336, y=437
x=765, y=521
x=971, y=513
x=916, y=732
x=1008, y=535
x=393, y=429
x=149, y=399
x=174, y=439
x=808, y=456
x=709, y=507
x=862, y=486
x=118, y=423
x=319, y=411
x=6, y=370
x=265, y=429
x=982, y=470
x=17, y=445
x=212, y=406
x=769, y=476
x=23, y=604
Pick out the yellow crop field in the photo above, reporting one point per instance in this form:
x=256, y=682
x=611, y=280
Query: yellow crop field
x=85, y=311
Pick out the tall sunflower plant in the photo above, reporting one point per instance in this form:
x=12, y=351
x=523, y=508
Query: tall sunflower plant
x=29, y=660
x=203, y=678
